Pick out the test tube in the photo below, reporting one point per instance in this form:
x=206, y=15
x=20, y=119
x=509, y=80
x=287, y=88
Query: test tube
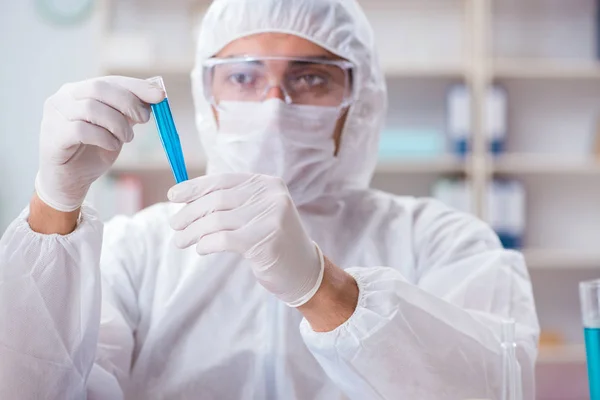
x=589, y=293
x=512, y=388
x=511, y=377
x=168, y=133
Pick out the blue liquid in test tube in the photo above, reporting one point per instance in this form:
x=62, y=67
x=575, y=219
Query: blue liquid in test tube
x=168, y=134
x=592, y=348
x=590, y=309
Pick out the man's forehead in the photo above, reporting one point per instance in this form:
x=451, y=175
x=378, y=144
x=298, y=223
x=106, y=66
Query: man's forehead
x=274, y=44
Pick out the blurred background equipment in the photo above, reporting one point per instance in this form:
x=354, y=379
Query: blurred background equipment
x=65, y=12
x=116, y=195
x=493, y=108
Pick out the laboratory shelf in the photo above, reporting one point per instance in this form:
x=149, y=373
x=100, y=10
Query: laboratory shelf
x=432, y=70
x=434, y=166
x=545, y=69
x=393, y=71
x=547, y=259
x=530, y=164
x=145, y=71
x=133, y=166
x=565, y=354
x=443, y=165
x=438, y=165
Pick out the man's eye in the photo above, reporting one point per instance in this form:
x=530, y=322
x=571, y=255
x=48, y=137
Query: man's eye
x=309, y=81
x=241, y=79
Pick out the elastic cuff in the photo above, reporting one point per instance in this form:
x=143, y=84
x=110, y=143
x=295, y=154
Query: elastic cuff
x=306, y=298
x=50, y=203
x=87, y=215
x=307, y=330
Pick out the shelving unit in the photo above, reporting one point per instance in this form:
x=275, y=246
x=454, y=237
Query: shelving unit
x=546, y=259
x=536, y=164
x=158, y=165
x=543, y=53
x=179, y=69
x=447, y=165
x=534, y=69
x=415, y=70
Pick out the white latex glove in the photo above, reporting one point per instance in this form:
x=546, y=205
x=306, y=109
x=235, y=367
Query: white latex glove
x=254, y=216
x=84, y=127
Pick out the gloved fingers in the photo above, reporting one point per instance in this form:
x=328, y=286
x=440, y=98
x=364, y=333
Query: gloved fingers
x=244, y=237
x=219, y=242
x=98, y=113
x=90, y=134
x=191, y=190
x=220, y=200
x=148, y=92
x=113, y=95
x=213, y=223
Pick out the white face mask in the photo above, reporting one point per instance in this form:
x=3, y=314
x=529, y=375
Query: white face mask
x=293, y=142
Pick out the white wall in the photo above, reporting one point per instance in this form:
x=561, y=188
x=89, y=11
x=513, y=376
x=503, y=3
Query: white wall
x=36, y=58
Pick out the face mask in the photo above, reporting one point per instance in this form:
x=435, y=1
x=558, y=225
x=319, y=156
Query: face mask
x=293, y=142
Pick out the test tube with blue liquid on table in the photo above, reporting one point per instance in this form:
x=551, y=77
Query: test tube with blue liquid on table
x=590, y=309
x=168, y=133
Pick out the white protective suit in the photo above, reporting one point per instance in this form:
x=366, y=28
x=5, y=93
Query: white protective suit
x=124, y=314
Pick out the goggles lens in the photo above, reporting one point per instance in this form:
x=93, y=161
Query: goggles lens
x=297, y=81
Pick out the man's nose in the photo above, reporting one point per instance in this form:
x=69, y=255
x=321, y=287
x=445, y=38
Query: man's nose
x=275, y=92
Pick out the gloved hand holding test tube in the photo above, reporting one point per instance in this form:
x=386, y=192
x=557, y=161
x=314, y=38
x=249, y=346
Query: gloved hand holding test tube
x=168, y=133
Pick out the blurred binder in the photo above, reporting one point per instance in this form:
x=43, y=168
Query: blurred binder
x=455, y=193
x=459, y=119
x=460, y=132
x=505, y=206
x=506, y=211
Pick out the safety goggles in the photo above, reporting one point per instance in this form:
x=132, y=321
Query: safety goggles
x=305, y=81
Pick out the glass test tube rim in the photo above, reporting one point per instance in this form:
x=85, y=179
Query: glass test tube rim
x=592, y=284
x=591, y=316
x=509, y=326
x=158, y=81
